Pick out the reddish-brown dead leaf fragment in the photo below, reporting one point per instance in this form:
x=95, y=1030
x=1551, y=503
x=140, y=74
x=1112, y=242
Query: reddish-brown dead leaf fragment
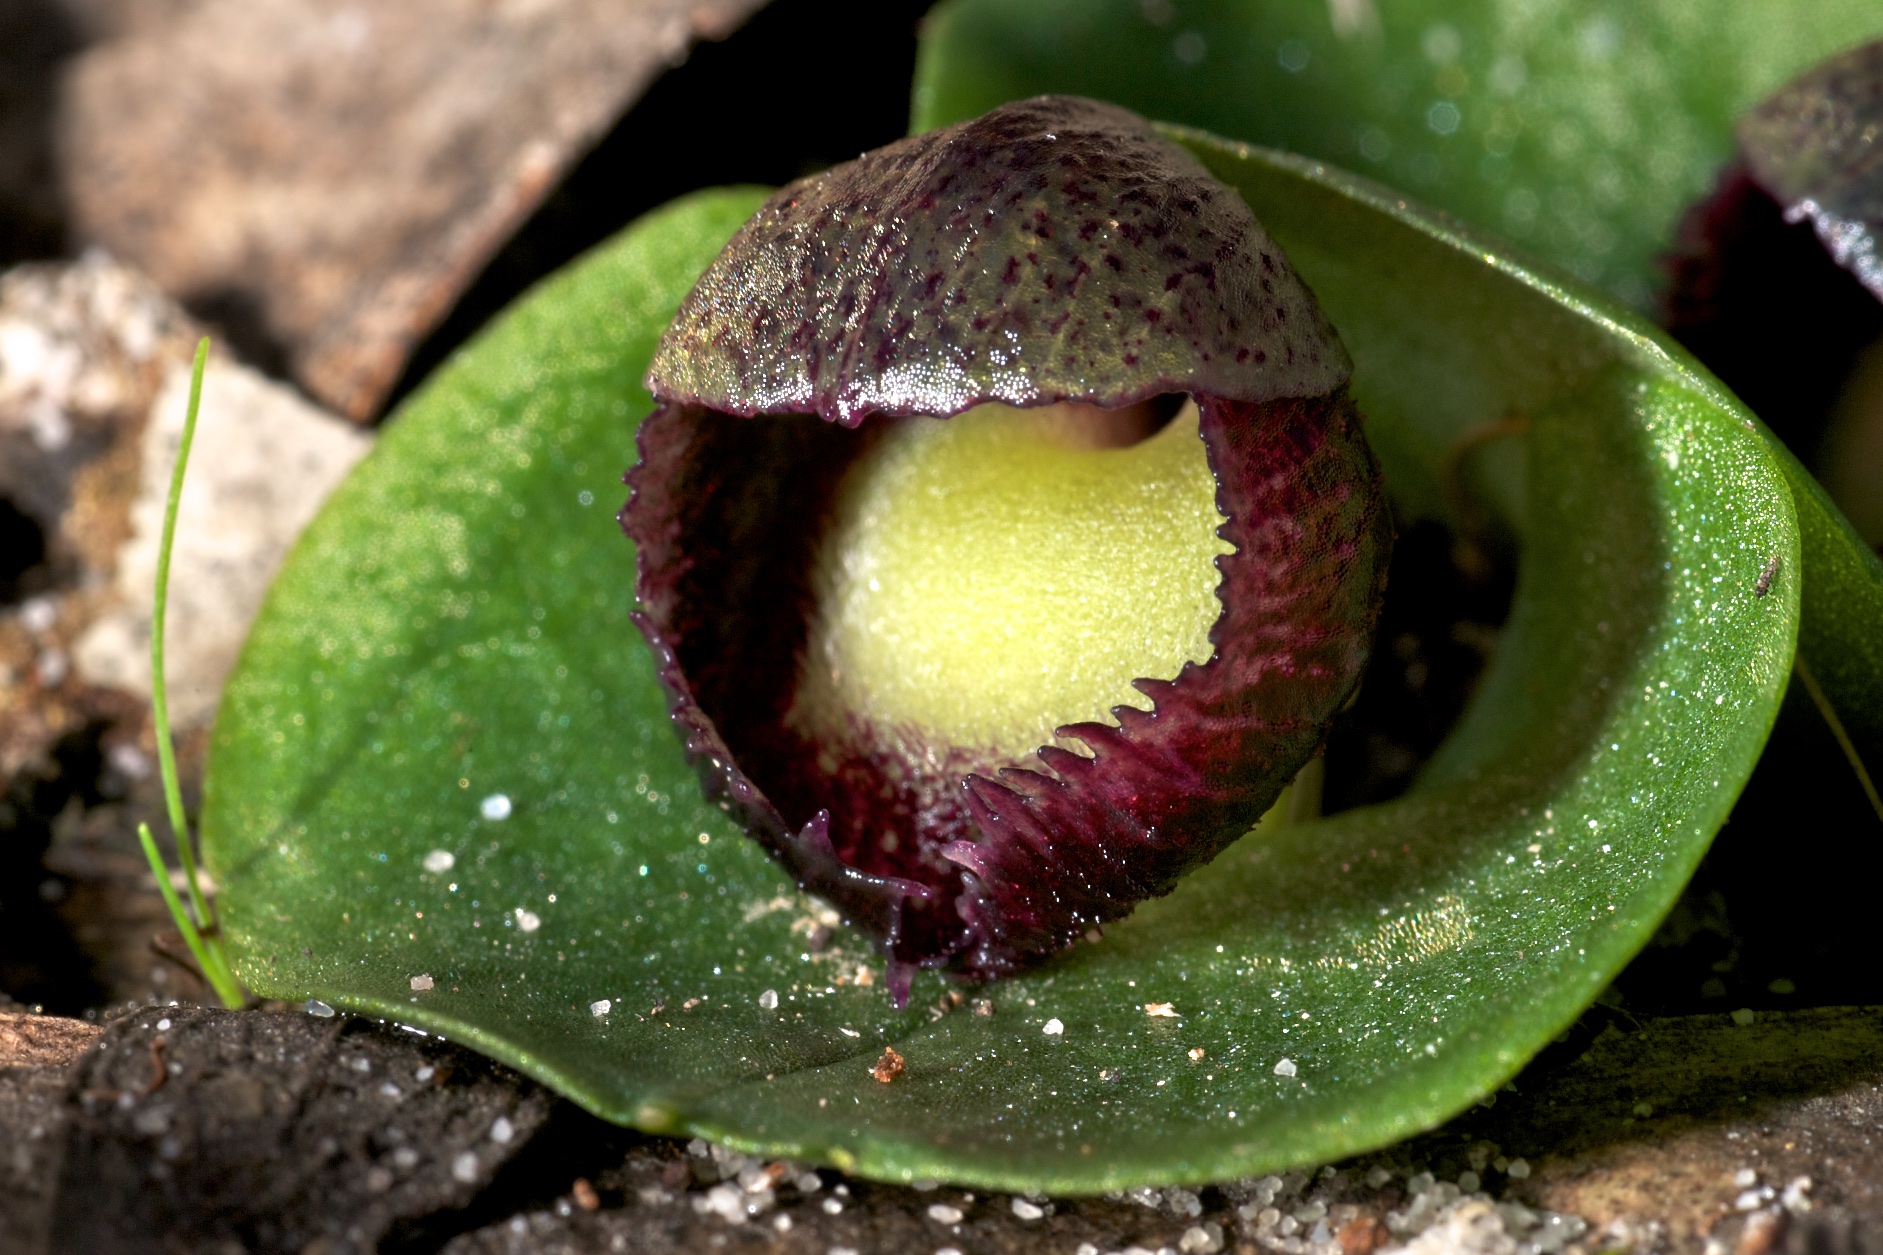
x=889, y=1067
x=1361, y=1236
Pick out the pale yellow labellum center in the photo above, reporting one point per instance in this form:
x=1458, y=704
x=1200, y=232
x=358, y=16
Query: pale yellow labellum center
x=990, y=578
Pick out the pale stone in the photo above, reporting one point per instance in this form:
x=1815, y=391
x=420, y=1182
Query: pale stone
x=263, y=462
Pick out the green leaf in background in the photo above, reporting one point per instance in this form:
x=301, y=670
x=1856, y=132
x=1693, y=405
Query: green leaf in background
x=443, y=790
x=1579, y=128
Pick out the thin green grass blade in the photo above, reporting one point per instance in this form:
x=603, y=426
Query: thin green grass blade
x=206, y=948
x=178, y=912
x=159, y=692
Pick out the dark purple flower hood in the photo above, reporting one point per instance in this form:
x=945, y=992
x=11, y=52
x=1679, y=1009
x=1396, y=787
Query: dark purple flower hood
x=1056, y=249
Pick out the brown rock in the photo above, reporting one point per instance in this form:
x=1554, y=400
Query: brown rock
x=336, y=175
x=34, y=1054
x=42, y=1041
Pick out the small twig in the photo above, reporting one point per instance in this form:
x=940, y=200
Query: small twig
x=159, y=1074
x=165, y=946
x=1844, y=742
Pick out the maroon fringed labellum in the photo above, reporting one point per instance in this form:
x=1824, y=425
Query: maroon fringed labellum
x=987, y=683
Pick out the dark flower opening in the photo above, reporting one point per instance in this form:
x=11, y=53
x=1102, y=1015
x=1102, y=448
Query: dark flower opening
x=1777, y=282
x=1057, y=256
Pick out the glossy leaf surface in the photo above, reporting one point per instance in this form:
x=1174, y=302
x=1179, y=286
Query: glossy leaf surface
x=1580, y=130
x=453, y=630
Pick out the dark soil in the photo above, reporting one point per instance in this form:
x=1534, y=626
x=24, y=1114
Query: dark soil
x=188, y=1129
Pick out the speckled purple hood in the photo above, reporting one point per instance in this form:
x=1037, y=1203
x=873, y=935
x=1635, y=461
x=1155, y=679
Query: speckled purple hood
x=1055, y=249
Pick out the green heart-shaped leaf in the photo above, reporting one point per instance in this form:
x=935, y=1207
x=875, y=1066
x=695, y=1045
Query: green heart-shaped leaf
x=454, y=628
x=1580, y=130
